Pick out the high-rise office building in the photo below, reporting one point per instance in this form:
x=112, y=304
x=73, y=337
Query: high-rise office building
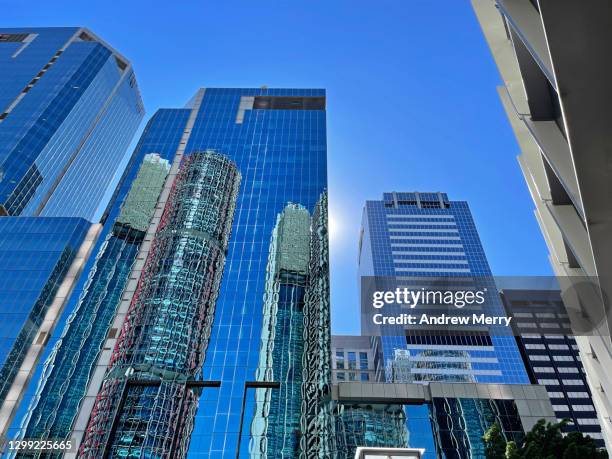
x=553, y=60
x=413, y=237
x=51, y=404
x=543, y=333
x=277, y=140
x=69, y=106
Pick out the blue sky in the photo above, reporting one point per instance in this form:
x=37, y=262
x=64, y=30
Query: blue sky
x=412, y=103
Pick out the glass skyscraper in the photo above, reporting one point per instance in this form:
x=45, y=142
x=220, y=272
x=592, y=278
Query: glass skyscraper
x=413, y=237
x=69, y=106
x=414, y=240
x=52, y=401
x=277, y=140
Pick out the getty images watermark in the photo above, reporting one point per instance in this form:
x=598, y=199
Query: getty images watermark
x=411, y=299
x=477, y=305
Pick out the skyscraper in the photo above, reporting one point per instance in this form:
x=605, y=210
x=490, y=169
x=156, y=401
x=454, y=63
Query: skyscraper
x=54, y=396
x=561, y=122
x=413, y=237
x=550, y=352
x=69, y=106
x=277, y=140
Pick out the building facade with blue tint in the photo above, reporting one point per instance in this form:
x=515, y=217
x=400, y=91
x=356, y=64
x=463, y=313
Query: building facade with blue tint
x=277, y=139
x=51, y=401
x=413, y=237
x=39, y=258
x=69, y=106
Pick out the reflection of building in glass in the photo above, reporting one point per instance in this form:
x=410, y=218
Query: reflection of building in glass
x=317, y=424
x=67, y=370
x=429, y=365
x=276, y=425
x=551, y=356
x=294, y=420
x=412, y=239
x=277, y=138
x=149, y=397
x=69, y=106
x=369, y=425
x=460, y=423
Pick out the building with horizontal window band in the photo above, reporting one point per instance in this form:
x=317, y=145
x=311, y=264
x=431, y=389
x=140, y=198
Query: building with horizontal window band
x=561, y=121
x=412, y=238
x=69, y=106
x=544, y=336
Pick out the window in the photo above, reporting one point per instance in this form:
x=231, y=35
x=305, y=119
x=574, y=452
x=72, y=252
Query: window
x=578, y=394
x=556, y=395
x=588, y=422
x=540, y=358
x=544, y=369
x=560, y=408
x=365, y=377
x=573, y=382
x=558, y=347
x=563, y=358
x=352, y=376
x=340, y=360
x=567, y=370
x=288, y=103
x=583, y=408
x=340, y=376
x=363, y=360
x=352, y=360
x=535, y=346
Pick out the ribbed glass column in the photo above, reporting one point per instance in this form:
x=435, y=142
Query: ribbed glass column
x=147, y=402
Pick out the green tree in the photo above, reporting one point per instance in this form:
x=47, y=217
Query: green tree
x=543, y=441
x=512, y=451
x=495, y=443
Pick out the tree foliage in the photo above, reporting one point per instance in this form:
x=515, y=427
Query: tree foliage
x=544, y=441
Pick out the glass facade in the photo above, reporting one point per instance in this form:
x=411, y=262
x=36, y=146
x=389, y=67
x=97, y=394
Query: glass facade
x=277, y=138
x=69, y=106
x=414, y=236
x=51, y=401
x=460, y=423
x=35, y=255
x=67, y=370
x=149, y=396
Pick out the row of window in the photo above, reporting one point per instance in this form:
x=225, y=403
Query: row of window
x=559, y=369
x=352, y=360
x=341, y=376
x=566, y=382
x=569, y=395
x=574, y=408
x=556, y=358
